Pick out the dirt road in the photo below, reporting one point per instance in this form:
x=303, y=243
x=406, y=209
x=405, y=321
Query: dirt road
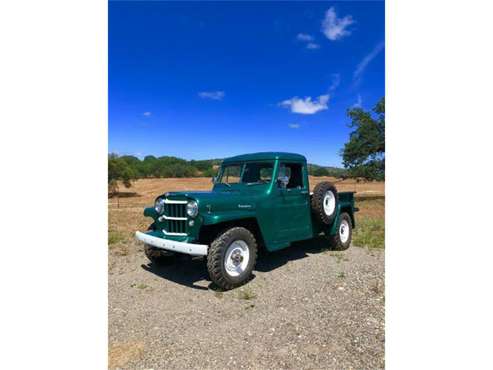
x=306, y=308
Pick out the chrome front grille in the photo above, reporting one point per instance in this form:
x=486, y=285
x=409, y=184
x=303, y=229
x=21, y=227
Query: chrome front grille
x=174, y=217
x=175, y=210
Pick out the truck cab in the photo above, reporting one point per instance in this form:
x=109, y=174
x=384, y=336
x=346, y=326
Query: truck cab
x=259, y=200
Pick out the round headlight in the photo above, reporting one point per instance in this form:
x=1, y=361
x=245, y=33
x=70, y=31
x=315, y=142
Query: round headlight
x=159, y=205
x=192, y=208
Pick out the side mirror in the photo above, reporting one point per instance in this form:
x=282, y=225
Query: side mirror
x=282, y=182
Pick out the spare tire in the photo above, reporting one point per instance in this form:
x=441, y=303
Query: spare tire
x=324, y=202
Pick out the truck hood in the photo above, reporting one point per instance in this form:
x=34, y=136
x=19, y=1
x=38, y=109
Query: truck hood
x=217, y=200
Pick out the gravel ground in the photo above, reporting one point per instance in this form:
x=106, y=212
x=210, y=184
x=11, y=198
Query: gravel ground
x=305, y=308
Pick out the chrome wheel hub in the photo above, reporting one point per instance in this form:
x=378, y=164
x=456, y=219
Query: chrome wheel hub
x=344, y=231
x=236, y=258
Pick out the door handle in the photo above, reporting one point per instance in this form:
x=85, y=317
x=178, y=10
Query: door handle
x=304, y=192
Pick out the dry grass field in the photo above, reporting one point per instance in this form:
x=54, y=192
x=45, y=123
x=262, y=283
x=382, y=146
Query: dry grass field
x=125, y=212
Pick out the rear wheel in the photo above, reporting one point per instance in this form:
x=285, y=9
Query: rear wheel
x=231, y=258
x=342, y=239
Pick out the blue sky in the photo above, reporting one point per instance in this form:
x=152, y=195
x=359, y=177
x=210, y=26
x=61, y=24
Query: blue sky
x=202, y=80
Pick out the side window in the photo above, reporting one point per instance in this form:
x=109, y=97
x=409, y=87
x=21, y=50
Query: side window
x=294, y=172
x=266, y=173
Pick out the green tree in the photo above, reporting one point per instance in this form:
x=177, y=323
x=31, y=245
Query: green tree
x=210, y=172
x=119, y=170
x=134, y=163
x=202, y=165
x=320, y=171
x=364, y=154
x=149, y=166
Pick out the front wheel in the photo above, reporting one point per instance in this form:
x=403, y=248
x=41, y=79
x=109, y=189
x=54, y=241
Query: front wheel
x=342, y=239
x=231, y=258
x=158, y=256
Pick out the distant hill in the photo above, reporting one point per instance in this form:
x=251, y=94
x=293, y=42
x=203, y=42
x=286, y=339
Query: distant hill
x=316, y=170
x=168, y=166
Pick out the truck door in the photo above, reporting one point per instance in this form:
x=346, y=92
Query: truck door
x=293, y=213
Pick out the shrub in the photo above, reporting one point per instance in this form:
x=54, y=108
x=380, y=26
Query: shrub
x=370, y=233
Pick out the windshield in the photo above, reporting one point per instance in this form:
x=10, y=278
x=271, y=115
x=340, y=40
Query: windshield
x=230, y=174
x=248, y=173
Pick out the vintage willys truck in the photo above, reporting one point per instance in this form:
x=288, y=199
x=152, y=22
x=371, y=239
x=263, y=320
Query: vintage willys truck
x=259, y=200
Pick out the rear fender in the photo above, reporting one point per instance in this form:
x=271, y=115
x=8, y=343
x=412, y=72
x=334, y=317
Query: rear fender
x=341, y=209
x=350, y=211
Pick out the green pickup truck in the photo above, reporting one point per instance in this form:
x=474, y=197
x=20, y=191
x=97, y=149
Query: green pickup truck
x=259, y=200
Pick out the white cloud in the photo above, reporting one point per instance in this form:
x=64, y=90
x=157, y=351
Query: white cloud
x=336, y=80
x=360, y=68
x=294, y=125
x=312, y=46
x=304, y=37
x=213, y=95
x=306, y=105
x=147, y=114
x=308, y=40
x=336, y=28
x=359, y=102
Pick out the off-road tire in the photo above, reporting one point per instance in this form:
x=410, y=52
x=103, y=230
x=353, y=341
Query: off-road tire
x=335, y=240
x=217, y=253
x=318, y=202
x=157, y=256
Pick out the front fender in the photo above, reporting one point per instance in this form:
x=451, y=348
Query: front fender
x=150, y=212
x=218, y=217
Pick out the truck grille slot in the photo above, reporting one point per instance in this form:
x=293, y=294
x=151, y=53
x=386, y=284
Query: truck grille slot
x=171, y=225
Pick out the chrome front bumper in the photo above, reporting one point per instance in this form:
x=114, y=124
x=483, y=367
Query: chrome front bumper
x=173, y=246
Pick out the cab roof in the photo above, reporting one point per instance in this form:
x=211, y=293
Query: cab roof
x=265, y=156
